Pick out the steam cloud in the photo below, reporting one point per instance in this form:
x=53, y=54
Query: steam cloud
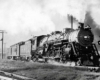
x=35, y=15
x=23, y=16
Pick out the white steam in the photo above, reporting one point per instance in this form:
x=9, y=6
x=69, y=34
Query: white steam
x=22, y=16
x=76, y=8
x=71, y=64
x=35, y=15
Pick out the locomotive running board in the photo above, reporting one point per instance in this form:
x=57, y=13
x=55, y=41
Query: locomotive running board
x=10, y=76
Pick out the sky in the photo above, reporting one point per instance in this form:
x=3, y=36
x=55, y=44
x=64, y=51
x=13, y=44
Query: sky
x=22, y=19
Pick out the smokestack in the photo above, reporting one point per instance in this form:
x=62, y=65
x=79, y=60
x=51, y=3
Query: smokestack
x=81, y=25
x=72, y=22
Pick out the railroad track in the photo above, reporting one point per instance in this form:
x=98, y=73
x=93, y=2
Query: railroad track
x=88, y=68
x=10, y=76
x=72, y=65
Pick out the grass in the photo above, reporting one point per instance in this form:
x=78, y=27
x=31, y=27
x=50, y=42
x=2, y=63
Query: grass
x=44, y=71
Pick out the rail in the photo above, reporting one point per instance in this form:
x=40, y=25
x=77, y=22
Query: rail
x=10, y=76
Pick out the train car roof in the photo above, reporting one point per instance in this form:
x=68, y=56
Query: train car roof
x=33, y=38
x=17, y=43
x=56, y=32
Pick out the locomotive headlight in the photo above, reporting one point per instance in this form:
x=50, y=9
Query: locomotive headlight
x=91, y=57
x=86, y=37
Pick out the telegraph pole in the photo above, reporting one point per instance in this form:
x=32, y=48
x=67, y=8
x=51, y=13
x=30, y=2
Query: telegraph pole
x=2, y=44
x=72, y=22
x=2, y=32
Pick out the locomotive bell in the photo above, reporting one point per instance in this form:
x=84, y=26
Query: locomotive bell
x=81, y=24
x=86, y=37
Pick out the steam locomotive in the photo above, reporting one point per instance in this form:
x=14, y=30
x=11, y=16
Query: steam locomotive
x=68, y=46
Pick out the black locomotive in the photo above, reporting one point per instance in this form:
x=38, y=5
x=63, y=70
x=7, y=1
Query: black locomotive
x=68, y=46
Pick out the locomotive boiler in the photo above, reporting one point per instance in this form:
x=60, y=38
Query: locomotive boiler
x=83, y=35
x=71, y=45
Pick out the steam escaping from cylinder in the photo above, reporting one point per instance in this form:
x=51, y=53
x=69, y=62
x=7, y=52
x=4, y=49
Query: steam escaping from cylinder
x=72, y=64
